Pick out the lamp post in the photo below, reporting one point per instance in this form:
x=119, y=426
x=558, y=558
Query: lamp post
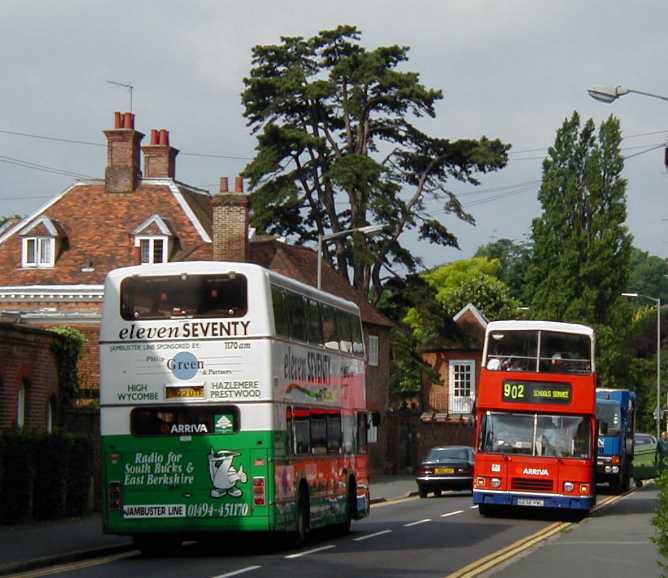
x=656, y=300
x=367, y=230
x=609, y=94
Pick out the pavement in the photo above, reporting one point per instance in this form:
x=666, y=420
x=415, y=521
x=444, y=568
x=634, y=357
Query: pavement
x=30, y=546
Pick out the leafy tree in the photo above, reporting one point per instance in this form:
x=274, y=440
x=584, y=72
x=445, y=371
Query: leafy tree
x=647, y=274
x=581, y=245
x=455, y=285
x=514, y=258
x=338, y=149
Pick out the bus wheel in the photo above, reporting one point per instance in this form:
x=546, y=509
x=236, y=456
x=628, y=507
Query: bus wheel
x=154, y=545
x=626, y=479
x=303, y=519
x=351, y=508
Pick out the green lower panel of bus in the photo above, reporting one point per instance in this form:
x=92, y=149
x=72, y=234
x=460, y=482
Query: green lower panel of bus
x=204, y=483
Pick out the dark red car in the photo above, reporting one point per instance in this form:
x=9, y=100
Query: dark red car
x=446, y=468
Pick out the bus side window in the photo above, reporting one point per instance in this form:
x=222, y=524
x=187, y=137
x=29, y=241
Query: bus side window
x=289, y=433
x=344, y=331
x=318, y=434
x=348, y=433
x=297, y=313
x=329, y=335
x=358, y=340
x=314, y=323
x=281, y=314
x=302, y=432
x=334, y=437
x=362, y=425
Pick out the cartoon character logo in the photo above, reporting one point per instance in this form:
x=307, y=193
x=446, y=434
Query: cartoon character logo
x=224, y=477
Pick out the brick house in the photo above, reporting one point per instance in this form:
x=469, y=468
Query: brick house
x=28, y=379
x=457, y=359
x=53, y=263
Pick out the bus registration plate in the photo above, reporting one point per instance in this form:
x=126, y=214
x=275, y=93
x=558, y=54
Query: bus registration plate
x=184, y=391
x=530, y=502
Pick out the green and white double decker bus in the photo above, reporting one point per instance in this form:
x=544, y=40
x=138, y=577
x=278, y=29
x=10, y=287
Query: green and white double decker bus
x=232, y=399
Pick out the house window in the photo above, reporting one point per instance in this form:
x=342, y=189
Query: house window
x=373, y=350
x=38, y=251
x=21, y=407
x=153, y=249
x=462, y=386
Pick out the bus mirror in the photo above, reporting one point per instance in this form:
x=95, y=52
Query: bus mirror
x=603, y=428
x=375, y=419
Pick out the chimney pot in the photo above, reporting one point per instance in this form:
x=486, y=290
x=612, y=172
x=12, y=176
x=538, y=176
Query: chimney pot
x=164, y=137
x=239, y=185
x=118, y=120
x=155, y=136
x=129, y=120
x=224, y=185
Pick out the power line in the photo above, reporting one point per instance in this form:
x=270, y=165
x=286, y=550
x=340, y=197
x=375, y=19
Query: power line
x=40, y=167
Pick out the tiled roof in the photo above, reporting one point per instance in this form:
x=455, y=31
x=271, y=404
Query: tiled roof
x=301, y=263
x=97, y=228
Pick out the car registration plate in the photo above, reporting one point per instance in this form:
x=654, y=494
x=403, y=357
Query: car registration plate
x=530, y=502
x=444, y=470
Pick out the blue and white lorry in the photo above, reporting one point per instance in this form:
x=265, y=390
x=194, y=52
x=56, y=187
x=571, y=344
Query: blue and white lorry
x=615, y=414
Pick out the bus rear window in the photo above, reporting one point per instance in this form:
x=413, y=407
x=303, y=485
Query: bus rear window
x=166, y=297
x=185, y=420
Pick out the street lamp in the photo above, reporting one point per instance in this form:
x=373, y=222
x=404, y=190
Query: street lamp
x=609, y=94
x=658, y=356
x=368, y=230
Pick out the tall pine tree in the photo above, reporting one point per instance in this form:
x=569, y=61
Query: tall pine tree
x=581, y=245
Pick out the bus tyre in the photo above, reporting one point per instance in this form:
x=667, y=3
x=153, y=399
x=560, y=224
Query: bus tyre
x=153, y=545
x=625, y=482
x=303, y=519
x=351, y=509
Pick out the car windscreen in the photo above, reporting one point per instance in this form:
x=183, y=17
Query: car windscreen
x=448, y=454
x=190, y=296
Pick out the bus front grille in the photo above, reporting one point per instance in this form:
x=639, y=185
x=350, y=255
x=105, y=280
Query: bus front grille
x=531, y=484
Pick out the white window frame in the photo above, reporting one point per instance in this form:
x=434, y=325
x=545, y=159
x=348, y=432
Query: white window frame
x=374, y=350
x=459, y=402
x=152, y=240
x=44, y=254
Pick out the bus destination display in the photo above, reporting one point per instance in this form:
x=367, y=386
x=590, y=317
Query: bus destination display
x=536, y=392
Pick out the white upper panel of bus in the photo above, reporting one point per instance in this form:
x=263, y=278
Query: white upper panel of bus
x=519, y=325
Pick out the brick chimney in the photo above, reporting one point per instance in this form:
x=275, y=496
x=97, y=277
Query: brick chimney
x=123, y=173
x=230, y=223
x=159, y=157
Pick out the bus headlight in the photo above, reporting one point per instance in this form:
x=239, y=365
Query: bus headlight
x=496, y=482
x=584, y=488
x=480, y=482
x=568, y=486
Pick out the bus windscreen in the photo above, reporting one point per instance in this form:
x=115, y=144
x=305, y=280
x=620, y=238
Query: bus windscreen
x=537, y=435
x=183, y=296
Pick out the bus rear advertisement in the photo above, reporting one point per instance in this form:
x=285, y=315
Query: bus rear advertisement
x=232, y=399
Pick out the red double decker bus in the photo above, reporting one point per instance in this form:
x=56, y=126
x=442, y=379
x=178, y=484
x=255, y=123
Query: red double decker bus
x=536, y=411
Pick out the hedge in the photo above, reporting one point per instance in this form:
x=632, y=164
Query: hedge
x=44, y=476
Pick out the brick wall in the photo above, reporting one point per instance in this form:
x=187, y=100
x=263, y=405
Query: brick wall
x=27, y=360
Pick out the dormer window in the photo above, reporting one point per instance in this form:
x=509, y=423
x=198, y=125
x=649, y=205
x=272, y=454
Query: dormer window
x=40, y=243
x=152, y=249
x=154, y=239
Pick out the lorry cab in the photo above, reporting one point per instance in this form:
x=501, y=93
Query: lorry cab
x=615, y=415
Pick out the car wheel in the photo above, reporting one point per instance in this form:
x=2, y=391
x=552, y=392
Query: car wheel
x=422, y=492
x=437, y=493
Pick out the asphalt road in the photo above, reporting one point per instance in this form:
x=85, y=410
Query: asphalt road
x=409, y=538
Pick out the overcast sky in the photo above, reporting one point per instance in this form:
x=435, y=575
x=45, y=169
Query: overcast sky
x=512, y=69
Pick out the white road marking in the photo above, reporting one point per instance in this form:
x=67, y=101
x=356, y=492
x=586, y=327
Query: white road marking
x=418, y=522
x=371, y=535
x=451, y=513
x=474, y=507
x=300, y=554
x=237, y=572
